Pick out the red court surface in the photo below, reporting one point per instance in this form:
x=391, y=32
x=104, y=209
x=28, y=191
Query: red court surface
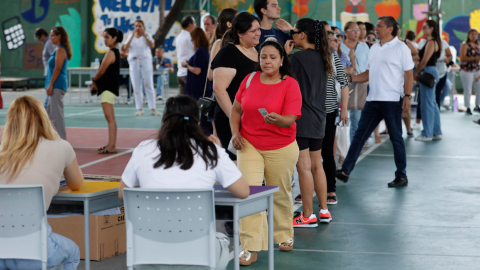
x=86, y=141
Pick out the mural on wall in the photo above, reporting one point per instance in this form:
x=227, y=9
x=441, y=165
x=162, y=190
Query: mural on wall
x=388, y=8
x=223, y=4
x=122, y=15
x=34, y=11
x=169, y=43
x=32, y=55
x=72, y=22
x=300, y=8
x=355, y=10
x=13, y=33
x=457, y=28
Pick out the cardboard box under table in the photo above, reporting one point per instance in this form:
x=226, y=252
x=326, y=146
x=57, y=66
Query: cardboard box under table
x=103, y=236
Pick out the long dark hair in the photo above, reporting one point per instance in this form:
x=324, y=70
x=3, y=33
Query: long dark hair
x=435, y=33
x=240, y=24
x=285, y=68
x=226, y=15
x=114, y=32
x=64, y=40
x=180, y=136
x=317, y=35
x=468, y=35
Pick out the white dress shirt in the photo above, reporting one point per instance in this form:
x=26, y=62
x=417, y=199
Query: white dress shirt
x=386, y=65
x=185, y=51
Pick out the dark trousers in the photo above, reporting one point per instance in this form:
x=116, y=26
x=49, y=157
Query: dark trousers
x=182, y=81
x=125, y=80
x=439, y=89
x=372, y=114
x=327, y=150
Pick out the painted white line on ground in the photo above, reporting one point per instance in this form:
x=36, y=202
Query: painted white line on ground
x=81, y=113
x=425, y=156
x=107, y=158
x=117, y=129
x=369, y=150
x=384, y=253
x=407, y=225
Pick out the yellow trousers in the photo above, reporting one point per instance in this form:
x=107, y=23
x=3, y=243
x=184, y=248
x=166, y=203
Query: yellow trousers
x=277, y=167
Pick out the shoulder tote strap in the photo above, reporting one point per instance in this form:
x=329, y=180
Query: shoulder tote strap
x=250, y=78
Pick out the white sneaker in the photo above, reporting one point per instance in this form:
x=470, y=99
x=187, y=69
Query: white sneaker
x=139, y=113
x=423, y=139
x=417, y=126
x=156, y=113
x=437, y=137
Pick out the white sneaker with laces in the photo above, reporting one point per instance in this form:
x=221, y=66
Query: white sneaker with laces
x=423, y=139
x=139, y=113
x=417, y=126
x=437, y=137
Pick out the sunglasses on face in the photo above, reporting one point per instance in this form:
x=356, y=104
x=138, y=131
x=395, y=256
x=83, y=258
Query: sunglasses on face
x=372, y=39
x=339, y=36
x=292, y=32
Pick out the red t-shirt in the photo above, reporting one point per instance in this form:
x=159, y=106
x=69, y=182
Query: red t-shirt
x=283, y=98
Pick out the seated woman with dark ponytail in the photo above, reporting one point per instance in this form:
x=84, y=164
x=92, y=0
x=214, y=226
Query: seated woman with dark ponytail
x=182, y=157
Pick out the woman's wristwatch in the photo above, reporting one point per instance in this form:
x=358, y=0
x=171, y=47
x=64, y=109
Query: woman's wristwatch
x=409, y=96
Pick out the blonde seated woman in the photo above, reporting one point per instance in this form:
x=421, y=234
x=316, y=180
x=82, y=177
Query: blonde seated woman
x=32, y=153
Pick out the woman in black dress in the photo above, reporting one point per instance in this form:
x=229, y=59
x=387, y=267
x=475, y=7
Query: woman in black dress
x=231, y=65
x=106, y=84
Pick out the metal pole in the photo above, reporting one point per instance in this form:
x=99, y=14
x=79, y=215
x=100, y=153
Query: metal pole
x=334, y=13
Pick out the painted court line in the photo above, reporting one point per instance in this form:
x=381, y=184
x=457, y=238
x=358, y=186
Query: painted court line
x=425, y=156
x=106, y=158
x=385, y=253
x=407, y=225
x=81, y=113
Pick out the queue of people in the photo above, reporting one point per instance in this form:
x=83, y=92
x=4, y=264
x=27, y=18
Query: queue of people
x=276, y=110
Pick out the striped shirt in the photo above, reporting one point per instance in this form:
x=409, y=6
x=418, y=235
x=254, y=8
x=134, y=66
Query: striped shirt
x=331, y=103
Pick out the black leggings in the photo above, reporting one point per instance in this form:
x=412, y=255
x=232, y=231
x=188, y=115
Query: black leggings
x=327, y=151
x=439, y=88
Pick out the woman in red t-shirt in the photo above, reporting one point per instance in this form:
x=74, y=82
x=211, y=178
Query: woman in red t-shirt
x=266, y=144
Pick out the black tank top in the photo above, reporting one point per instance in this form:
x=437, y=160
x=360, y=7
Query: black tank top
x=433, y=59
x=110, y=79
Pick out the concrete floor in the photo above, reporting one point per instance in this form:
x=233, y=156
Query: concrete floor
x=431, y=224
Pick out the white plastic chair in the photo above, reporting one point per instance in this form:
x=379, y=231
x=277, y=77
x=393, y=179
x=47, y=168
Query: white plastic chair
x=23, y=223
x=170, y=227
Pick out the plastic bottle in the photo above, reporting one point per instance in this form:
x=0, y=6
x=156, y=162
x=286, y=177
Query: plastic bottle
x=455, y=105
x=97, y=63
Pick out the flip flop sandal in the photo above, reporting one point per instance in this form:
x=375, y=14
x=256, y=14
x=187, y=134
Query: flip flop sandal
x=332, y=198
x=101, y=148
x=298, y=199
x=287, y=245
x=249, y=257
x=106, y=152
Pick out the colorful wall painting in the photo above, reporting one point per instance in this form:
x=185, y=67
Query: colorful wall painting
x=355, y=10
x=388, y=8
x=122, y=15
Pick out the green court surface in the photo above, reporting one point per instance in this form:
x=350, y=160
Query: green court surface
x=433, y=223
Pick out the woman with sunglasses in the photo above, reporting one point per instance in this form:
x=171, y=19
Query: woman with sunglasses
x=371, y=39
x=358, y=52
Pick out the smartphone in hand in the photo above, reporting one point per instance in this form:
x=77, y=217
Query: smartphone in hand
x=263, y=112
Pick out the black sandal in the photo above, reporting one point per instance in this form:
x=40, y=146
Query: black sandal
x=101, y=148
x=105, y=151
x=332, y=198
x=298, y=199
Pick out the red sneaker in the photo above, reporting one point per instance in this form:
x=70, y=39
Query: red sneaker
x=325, y=218
x=301, y=221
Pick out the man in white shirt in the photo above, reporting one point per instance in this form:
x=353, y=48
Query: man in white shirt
x=185, y=50
x=389, y=71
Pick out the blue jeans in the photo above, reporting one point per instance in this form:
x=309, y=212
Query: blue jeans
x=372, y=114
x=446, y=91
x=60, y=249
x=429, y=107
x=355, y=116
